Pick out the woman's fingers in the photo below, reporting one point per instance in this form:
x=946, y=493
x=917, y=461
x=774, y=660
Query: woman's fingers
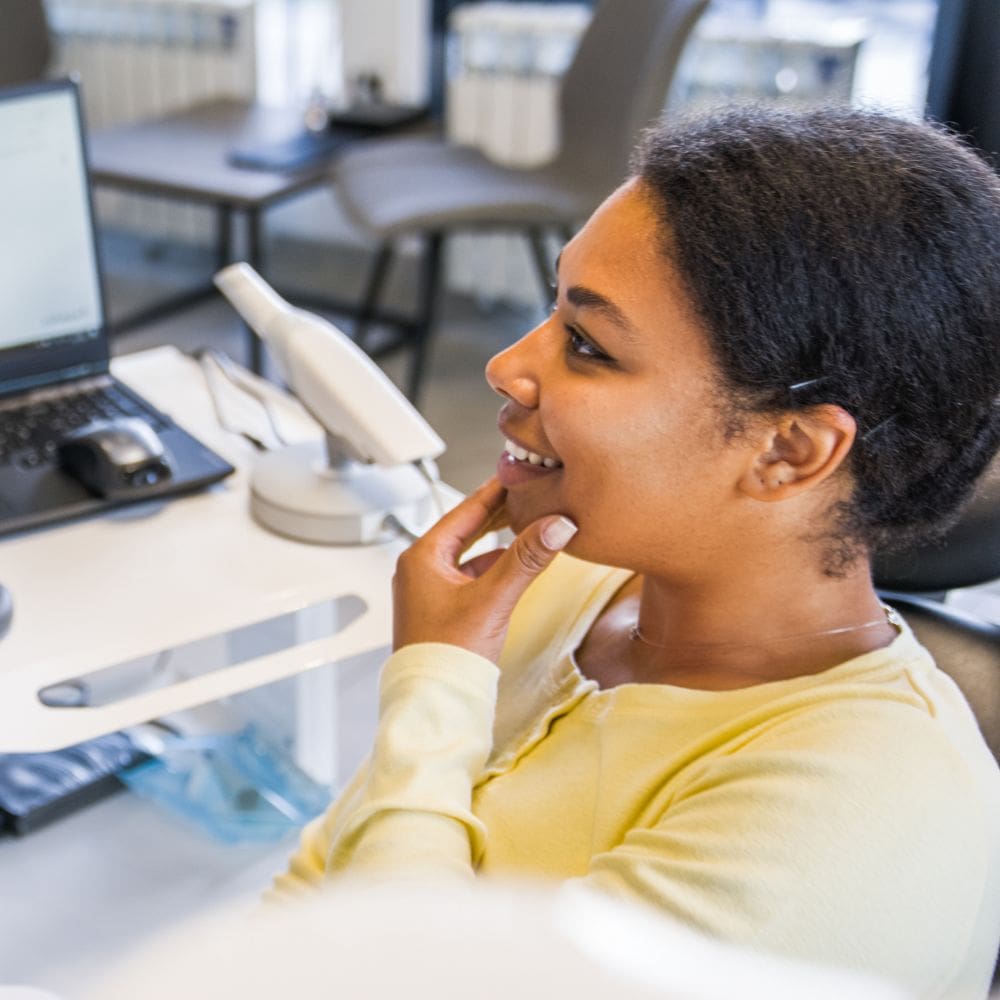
x=530, y=552
x=478, y=565
x=477, y=514
x=436, y=600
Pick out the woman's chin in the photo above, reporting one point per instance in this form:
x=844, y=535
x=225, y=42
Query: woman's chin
x=523, y=511
x=517, y=523
x=521, y=514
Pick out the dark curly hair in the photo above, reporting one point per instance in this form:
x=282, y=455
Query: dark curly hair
x=858, y=253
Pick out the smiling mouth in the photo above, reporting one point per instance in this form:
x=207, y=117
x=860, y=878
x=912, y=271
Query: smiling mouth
x=519, y=454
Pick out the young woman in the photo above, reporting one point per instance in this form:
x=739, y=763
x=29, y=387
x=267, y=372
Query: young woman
x=773, y=349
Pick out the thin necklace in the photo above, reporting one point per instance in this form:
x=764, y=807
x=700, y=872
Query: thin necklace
x=889, y=617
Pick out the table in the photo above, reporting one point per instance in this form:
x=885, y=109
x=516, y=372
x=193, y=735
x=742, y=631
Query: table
x=193, y=574
x=79, y=894
x=184, y=156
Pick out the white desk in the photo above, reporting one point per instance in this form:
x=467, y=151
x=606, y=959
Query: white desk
x=128, y=585
x=81, y=893
x=192, y=575
x=157, y=576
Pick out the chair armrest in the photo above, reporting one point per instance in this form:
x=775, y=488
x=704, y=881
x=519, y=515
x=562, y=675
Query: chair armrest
x=966, y=648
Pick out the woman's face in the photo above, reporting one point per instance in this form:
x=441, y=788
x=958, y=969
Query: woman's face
x=615, y=395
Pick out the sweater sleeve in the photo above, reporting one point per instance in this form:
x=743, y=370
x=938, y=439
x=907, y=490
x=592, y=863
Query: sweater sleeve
x=794, y=843
x=409, y=808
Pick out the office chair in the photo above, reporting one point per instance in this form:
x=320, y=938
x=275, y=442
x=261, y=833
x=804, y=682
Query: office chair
x=25, y=45
x=916, y=581
x=965, y=647
x=967, y=556
x=617, y=84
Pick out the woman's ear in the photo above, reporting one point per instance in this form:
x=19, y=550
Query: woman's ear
x=799, y=451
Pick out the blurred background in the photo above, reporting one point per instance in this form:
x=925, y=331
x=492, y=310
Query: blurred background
x=490, y=74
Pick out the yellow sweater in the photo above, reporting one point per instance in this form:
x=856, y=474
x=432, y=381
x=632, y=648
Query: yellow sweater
x=850, y=817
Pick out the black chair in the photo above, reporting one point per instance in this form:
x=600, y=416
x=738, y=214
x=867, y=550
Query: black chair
x=25, y=45
x=617, y=84
x=965, y=647
x=969, y=555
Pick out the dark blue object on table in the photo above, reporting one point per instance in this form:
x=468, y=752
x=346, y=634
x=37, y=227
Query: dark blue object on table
x=37, y=788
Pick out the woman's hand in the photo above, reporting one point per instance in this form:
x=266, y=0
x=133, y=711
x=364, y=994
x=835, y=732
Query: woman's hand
x=437, y=600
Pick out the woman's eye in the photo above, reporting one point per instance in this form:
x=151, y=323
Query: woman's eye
x=579, y=346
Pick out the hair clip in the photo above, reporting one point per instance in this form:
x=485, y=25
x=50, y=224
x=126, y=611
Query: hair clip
x=798, y=389
x=879, y=428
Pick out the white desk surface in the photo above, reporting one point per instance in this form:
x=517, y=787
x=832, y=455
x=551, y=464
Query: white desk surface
x=78, y=894
x=131, y=583
x=81, y=893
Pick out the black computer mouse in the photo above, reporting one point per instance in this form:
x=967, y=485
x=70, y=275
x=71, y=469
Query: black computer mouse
x=115, y=458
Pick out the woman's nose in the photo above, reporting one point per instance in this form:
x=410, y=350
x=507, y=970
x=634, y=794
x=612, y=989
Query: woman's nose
x=513, y=372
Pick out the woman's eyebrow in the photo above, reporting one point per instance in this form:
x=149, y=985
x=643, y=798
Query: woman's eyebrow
x=587, y=298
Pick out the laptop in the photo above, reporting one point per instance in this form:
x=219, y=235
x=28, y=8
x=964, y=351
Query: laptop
x=54, y=351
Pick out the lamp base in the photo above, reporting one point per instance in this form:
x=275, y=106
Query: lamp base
x=294, y=492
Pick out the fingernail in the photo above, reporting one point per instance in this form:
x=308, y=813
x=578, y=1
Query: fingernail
x=556, y=534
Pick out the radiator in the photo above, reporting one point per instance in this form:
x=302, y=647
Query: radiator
x=142, y=58
x=505, y=63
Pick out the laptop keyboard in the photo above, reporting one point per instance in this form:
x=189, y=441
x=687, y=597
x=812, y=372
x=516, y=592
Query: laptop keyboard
x=30, y=434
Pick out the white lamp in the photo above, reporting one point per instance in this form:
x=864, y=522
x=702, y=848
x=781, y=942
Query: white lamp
x=340, y=491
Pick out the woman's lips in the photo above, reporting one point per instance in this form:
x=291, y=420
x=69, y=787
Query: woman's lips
x=519, y=465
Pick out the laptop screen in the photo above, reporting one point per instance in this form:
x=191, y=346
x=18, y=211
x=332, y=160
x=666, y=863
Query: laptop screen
x=51, y=306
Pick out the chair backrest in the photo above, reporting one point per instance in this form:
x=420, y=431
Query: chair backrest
x=964, y=647
x=968, y=650
x=967, y=556
x=25, y=46
x=617, y=84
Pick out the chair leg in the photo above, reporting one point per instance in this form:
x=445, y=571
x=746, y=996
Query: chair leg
x=423, y=328
x=536, y=237
x=376, y=279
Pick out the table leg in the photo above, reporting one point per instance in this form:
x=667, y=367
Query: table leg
x=255, y=348
x=317, y=692
x=224, y=255
x=223, y=235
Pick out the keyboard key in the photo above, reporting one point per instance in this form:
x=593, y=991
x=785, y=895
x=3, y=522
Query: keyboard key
x=31, y=433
